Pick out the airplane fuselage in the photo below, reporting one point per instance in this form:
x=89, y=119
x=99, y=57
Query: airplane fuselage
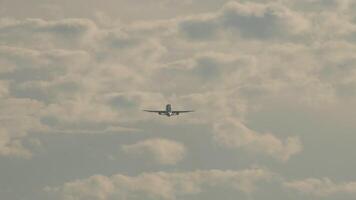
x=168, y=112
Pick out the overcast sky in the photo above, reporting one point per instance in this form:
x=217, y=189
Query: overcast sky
x=273, y=83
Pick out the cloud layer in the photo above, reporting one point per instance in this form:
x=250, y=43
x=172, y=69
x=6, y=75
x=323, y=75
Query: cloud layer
x=322, y=187
x=159, y=185
x=273, y=83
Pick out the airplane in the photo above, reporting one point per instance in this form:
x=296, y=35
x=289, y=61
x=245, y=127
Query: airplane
x=169, y=112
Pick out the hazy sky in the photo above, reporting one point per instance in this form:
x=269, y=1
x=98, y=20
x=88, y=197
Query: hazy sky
x=273, y=83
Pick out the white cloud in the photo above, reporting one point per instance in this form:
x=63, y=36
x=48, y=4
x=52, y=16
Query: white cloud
x=159, y=185
x=162, y=151
x=233, y=134
x=321, y=187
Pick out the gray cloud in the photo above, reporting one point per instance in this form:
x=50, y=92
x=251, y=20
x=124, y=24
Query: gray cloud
x=200, y=29
x=45, y=34
x=263, y=21
x=250, y=20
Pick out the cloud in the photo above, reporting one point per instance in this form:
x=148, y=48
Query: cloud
x=179, y=185
x=159, y=185
x=262, y=21
x=93, y=77
x=317, y=5
x=73, y=81
x=203, y=28
x=11, y=146
x=321, y=187
x=235, y=64
x=42, y=75
x=17, y=119
x=233, y=134
x=208, y=70
x=78, y=117
x=163, y=151
x=59, y=26
x=60, y=33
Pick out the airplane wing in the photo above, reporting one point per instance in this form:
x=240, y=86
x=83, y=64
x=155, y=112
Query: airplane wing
x=176, y=112
x=160, y=112
x=155, y=111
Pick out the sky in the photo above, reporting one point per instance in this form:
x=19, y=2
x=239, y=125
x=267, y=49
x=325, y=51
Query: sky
x=273, y=84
